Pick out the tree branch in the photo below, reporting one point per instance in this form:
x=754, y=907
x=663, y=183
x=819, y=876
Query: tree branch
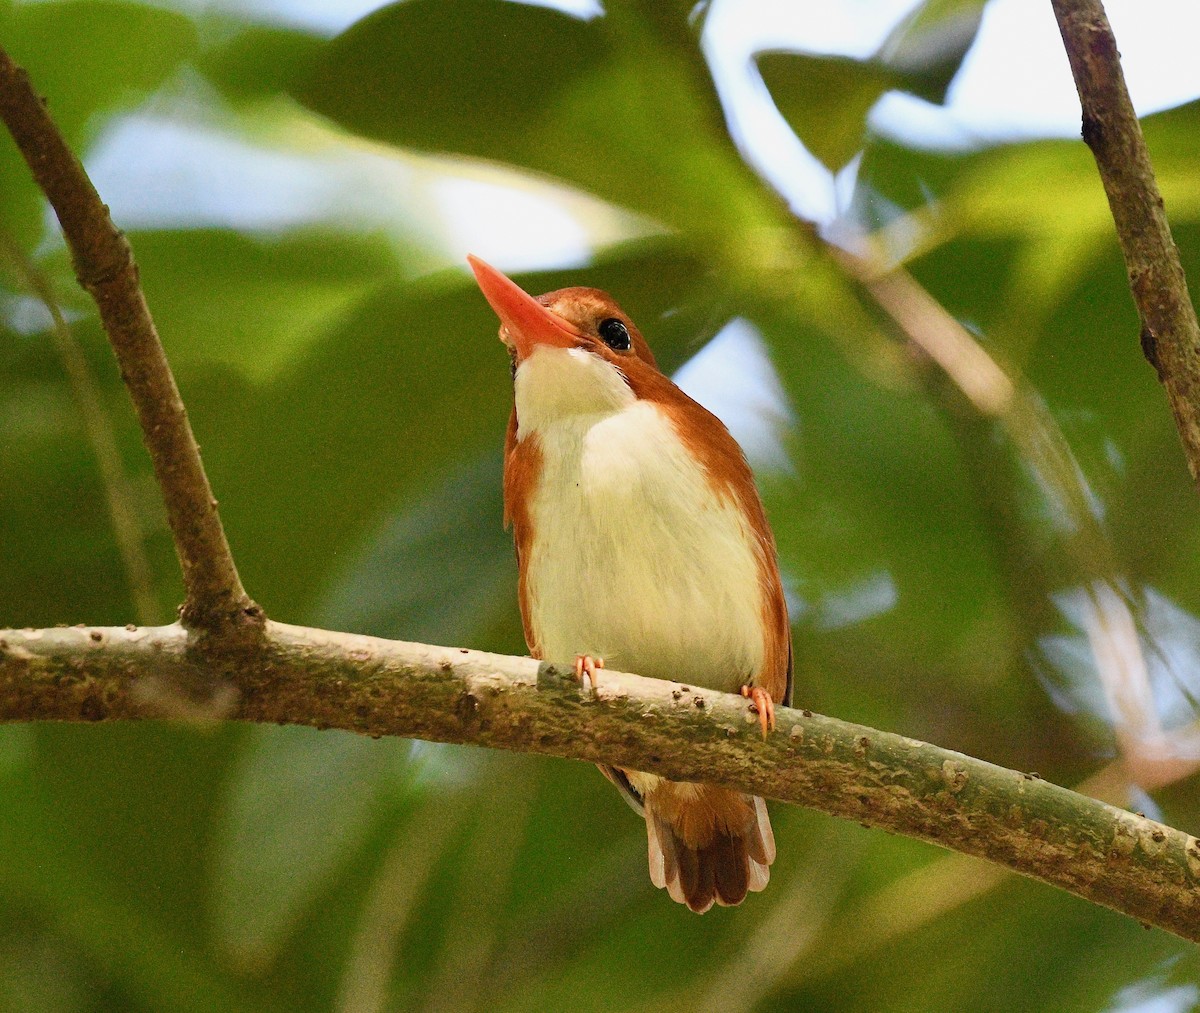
x=293, y=675
x=1170, y=333
x=296, y=675
x=215, y=599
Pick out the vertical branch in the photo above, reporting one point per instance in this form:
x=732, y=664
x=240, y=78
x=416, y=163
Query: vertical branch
x=103, y=261
x=1170, y=333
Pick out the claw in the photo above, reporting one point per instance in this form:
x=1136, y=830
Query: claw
x=585, y=671
x=761, y=701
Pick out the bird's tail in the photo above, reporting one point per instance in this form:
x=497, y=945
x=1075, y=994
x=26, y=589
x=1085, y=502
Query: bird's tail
x=707, y=844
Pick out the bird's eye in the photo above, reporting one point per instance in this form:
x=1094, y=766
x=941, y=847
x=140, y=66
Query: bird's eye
x=614, y=334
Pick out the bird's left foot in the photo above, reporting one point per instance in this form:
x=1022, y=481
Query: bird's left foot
x=586, y=668
x=761, y=701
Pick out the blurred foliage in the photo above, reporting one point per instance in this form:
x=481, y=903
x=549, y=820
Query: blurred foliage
x=920, y=56
x=954, y=577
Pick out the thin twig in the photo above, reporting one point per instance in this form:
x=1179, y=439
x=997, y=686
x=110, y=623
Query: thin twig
x=127, y=528
x=476, y=908
x=103, y=261
x=1170, y=334
x=392, y=901
x=297, y=675
x=928, y=325
x=1111, y=621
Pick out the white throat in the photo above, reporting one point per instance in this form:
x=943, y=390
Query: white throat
x=554, y=385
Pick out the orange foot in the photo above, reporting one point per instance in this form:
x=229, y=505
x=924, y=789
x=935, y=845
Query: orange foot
x=761, y=701
x=585, y=671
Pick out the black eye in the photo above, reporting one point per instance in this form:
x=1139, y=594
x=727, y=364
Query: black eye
x=614, y=334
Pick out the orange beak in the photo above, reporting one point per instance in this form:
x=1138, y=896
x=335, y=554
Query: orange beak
x=526, y=322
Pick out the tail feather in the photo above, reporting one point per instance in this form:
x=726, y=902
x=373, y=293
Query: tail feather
x=731, y=868
x=706, y=844
x=663, y=867
x=760, y=844
x=759, y=876
x=695, y=879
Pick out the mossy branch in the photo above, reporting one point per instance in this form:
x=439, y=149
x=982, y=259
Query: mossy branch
x=297, y=675
x=294, y=675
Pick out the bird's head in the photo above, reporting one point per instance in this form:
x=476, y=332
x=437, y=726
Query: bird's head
x=582, y=318
x=574, y=350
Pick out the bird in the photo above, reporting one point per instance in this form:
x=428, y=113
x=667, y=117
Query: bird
x=641, y=544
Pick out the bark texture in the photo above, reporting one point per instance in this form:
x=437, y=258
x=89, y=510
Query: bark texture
x=297, y=675
x=1170, y=334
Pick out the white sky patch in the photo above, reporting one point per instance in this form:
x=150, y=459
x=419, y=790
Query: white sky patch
x=1130, y=661
x=1174, y=658
x=181, y=163
x=1155, y=997
x=874, y=595
x=734, y=378
x=163, y=171
x=1016, y=83
x=521, y=224
x=23, y=314
x=735, y=30
x=327, y=17
x=846, y=28
x=550, y=233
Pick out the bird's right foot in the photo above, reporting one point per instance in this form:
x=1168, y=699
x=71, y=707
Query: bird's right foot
x=586, y=668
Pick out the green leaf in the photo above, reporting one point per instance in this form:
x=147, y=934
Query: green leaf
x=300, y=804
x=47, y=468
x=441, y=572
x=929, y=45
x=599, y=103
x=806, y=88
x=463, y=75
x=88, y=59
x=256, y=303
x=101, y=844
x=887, y=505
x=259, y=61
x=826, y=99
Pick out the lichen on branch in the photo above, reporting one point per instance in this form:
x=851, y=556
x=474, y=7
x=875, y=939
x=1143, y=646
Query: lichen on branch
x=298, y=675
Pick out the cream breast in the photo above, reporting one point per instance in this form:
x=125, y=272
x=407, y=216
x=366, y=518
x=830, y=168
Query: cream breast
x=635, y=557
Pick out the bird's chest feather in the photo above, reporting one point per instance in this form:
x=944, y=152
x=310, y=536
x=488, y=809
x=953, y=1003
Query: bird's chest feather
x=636, y=558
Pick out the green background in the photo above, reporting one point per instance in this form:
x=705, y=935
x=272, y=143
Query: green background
x=345, y=383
